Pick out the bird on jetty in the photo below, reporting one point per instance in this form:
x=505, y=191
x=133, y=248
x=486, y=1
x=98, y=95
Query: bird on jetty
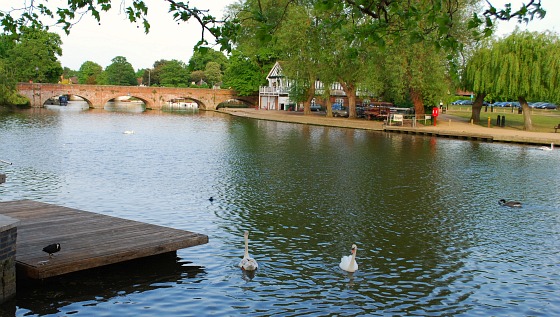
x=348, y=263
x=248, y=263
x=52, y=248
x=516, y=204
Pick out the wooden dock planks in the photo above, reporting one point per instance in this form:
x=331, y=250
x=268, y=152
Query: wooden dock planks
x=88, y=240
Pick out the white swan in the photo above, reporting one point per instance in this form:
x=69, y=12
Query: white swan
x=248, y=263
x=129, y=132
x=348, y=263
x=546, y=148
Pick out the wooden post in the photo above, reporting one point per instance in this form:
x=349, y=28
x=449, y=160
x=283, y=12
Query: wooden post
x=8, y=234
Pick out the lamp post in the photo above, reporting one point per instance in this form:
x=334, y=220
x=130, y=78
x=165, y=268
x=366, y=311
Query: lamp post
x=36, y=73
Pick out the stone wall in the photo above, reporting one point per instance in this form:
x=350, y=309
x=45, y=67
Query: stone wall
x=8, y=235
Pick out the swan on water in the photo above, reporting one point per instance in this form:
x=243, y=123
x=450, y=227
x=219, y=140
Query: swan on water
x=546, y=148
x=129, y=132
x=348, y=263
x=503, y=202
x=248, y=263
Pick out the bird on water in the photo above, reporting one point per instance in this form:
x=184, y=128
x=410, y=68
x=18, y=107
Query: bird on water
x=348, y=262
x=248, y=263
x=516, y=204
x=52, y=249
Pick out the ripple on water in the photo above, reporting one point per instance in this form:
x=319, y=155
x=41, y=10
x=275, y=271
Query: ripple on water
x=432, y=239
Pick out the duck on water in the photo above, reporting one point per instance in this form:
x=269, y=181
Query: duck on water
x=516, y=204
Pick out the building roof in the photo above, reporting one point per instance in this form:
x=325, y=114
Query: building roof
x=276, y=71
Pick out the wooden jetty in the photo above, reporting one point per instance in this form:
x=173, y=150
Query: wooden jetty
x=446, y=134
x=87, y=239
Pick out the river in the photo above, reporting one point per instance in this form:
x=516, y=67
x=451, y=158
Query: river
x=432, y=239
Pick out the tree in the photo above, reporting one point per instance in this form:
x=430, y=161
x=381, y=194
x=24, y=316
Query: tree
x=33, y=56
x=121, y=72
x=197, y=76
x=173, y=73
x=250, y=61
x=419, y=74
x=522, y=66
x=202, y=56
x=243, y=74
x=89, y=73
x=213, y=73
x=8, y=92
x=438, y=18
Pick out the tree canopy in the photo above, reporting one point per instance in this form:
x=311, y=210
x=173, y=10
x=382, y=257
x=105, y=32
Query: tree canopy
x=120, y=72
x=386, y=17
x=33, y=55
x=89, y=73
x=173, y=73
x=243, y=74
x=201, y=57
x=523, y=66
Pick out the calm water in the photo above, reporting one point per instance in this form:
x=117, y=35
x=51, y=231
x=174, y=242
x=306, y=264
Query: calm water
x=432, y=239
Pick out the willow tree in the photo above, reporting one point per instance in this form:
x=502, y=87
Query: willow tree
x=523, y=66
x=418, y=74
x=478, y=78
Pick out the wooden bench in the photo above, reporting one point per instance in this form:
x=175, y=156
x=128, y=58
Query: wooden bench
x=556, y=127
x=397, y=118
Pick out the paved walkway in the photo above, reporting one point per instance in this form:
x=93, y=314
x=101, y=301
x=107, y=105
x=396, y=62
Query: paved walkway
x=448, y=126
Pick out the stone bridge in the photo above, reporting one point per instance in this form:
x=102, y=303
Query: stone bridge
x=154, y=97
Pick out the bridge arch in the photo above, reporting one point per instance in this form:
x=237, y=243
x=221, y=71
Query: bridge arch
x=183, y=102
x=154, y=97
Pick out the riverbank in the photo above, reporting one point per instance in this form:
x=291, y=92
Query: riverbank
x=447, y=126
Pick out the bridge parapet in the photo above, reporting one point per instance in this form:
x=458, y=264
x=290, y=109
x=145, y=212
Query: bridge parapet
x=154, y=97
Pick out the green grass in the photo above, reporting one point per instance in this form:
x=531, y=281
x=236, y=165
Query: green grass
x=543, y=120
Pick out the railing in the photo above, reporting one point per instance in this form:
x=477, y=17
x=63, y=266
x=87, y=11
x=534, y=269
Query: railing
x=401, y=119
x=275, y=91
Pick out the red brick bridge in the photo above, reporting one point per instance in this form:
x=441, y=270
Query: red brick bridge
x=154, y=97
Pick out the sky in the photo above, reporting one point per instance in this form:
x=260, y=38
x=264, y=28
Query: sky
x=117, y=36
x=167, y=39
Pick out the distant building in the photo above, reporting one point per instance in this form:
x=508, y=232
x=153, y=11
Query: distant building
x=276, y=96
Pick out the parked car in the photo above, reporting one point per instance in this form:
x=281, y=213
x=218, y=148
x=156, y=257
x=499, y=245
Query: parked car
x=549, y=106
x=502, y=104
x=339, y=110
x=459, y=102
x=316, y=107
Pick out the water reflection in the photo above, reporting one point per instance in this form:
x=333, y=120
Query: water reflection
x=423, y=211
x=55, y=295
x=128, y=106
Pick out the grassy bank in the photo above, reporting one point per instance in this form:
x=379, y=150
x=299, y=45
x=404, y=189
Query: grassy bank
x=543, y=120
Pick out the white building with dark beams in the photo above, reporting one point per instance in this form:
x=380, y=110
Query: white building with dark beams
x=276, y=96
